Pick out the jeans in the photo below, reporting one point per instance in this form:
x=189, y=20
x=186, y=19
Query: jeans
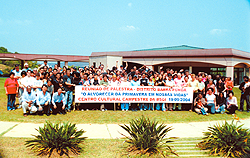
x=150, y=106
x=160, y=106
x=242, y=98
x=11, y=101
x=221, y=109
x=124, y=106
x=69, y=99
x=179, y=106
x=212, y=107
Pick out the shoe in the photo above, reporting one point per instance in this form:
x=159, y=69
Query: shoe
x=25, y=115
x=122, y=109
x=141, y=110
x=69, y=110
x=126, y=110
x=240, y=110
x=47, y=114
x=247, y=111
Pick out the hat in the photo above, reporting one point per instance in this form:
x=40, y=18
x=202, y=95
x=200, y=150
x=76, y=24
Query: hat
x=135, y=76
x=26, y=64
x=17, y=65
x=74, y=68
x=121, y=66
x=34, y=69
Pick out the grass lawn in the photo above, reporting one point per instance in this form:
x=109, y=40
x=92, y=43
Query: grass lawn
x=98, y=148
x=108, y=117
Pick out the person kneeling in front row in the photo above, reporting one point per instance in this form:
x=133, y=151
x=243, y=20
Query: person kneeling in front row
x=28, y=101
x=43, y=99
x=58, y=102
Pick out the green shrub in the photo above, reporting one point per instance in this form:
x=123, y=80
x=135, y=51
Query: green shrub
x=227, y=140
x=147, y=137
x=57, y=139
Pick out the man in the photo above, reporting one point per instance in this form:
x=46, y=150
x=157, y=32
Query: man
x=245, y=91
x=43, y=99
x=28, y=80
x=53, y=77
x=69, y=87
x=26, y=67
x=45, y=63
x=58, y=102
x=201, y=86
x=17, y=72
x=29, y=99
x=38, y=83
x=134, y=82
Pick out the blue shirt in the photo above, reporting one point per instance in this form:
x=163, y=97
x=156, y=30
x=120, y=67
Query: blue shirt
x=58, y=98
x=29, y=97
x=42, y=99
x=135, y=83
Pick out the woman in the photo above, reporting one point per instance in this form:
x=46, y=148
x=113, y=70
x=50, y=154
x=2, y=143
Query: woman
x=221, y=103
x=231, y=103
x=125, y=83
x=160, y=82
x=220, y=86
x=11, y=88
x=211, y=100
x=151, y=83
x=211, y=85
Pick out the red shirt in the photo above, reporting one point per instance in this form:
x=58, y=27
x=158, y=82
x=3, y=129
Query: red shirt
x=11, y=85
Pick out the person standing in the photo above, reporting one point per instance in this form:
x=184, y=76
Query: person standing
x=69, y=87
x=245, y=90
x=11, y=89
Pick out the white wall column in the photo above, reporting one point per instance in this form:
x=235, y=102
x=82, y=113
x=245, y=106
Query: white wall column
x=66, y=63
x=230, y=72
x=150, y=67
x=190, y=69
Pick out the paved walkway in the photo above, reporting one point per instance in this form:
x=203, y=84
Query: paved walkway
x=110, y=131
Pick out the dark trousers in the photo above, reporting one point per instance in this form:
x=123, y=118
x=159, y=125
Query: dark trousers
x=133, y=106
x=232, y=109
x=58, y=108
x=242, y=98
x=11, y=101
x=46, y=109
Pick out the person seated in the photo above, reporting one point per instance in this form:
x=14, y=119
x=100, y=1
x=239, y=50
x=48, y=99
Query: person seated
x=221, y=103
x=211, y=100
x=58, y=102
x=231, y=103
x=199, y=104
x=42, y=100
x=28, y=101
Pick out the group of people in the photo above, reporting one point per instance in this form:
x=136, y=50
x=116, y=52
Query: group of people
x=47, y=90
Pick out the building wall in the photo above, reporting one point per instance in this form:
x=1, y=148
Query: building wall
x=105, y=60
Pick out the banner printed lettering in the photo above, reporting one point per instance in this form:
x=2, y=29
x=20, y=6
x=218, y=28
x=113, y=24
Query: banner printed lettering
x=145, y=94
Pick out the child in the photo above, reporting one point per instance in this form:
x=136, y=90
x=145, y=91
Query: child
x=201, y=107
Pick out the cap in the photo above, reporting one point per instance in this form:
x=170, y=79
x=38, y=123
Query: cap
x=16, y=65
x=121, y=66
x=135, y=76
x=34, y=69
x=26, y=64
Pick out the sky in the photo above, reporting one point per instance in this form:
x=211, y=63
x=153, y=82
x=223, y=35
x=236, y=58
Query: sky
x=80, y=27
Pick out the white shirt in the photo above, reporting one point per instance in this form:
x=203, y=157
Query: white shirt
x=210, y=98
x=28, y=81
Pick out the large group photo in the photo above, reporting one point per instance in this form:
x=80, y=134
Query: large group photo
x=51, y=89
x=125, y=79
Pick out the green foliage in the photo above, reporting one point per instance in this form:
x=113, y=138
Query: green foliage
x=57, y=138
x=227, y=140
x=147, y=137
